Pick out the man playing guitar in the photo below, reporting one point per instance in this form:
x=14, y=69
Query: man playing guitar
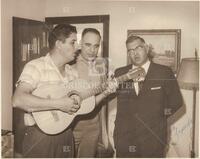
x=47, y=70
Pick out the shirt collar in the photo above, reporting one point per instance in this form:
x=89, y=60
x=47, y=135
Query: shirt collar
x=81, y=59
x=71, y=73
x=144, y=66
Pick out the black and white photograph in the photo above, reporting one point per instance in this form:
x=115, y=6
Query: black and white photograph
x=99, y=79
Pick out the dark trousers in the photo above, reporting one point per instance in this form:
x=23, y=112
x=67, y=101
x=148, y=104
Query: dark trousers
x=86, y=140
x=37, y=144
x=141, y=147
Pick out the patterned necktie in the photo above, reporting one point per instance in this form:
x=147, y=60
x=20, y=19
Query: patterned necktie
x=140, y=83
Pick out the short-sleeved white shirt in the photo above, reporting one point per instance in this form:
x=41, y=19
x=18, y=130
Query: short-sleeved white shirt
x=43, y=71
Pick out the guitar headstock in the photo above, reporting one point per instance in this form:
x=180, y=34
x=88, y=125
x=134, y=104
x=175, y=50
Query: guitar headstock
x=136, y=74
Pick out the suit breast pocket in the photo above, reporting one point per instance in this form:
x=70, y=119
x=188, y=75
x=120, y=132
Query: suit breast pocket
x=155, y=94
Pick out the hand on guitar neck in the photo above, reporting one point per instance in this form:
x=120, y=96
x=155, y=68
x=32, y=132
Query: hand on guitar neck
x=113, y=83
x=112, y=86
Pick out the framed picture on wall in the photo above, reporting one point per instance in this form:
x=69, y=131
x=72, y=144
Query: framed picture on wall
x=164, y=45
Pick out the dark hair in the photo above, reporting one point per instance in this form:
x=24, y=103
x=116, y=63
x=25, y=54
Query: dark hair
x=92, y=30
x=60, y=32
x=133, y=38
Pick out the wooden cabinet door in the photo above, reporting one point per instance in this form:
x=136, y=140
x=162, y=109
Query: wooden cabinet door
x=30, y=41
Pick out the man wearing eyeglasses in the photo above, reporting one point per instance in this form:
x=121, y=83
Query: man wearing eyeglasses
x=144, y=106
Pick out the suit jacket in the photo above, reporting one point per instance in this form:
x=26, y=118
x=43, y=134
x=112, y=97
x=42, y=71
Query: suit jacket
x=141, y=121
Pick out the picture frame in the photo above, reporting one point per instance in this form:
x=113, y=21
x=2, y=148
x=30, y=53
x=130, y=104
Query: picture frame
x=164, y=46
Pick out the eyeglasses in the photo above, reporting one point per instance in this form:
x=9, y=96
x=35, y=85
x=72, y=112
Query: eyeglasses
x=133, y=51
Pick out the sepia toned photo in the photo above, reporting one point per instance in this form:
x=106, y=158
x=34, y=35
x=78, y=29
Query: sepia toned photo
x=99, y=79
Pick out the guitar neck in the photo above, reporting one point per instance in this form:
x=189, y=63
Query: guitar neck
x=122, y=78
x=103, y=86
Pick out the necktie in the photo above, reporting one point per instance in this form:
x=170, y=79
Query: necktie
x=140, y=85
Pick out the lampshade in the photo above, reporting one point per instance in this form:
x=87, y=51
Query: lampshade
x=188, y=75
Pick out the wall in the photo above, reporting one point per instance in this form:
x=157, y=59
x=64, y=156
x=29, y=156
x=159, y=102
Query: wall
x=18, y=8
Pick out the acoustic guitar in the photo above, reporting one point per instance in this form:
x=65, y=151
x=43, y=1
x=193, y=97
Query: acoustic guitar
x=56, y=121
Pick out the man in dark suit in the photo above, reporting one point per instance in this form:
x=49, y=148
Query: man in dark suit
x=143, y=106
